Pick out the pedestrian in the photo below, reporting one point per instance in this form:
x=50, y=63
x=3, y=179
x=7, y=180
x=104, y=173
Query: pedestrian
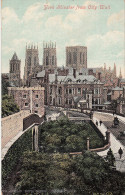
x=113, y=113
x=97, y=123
x=120, y=152
x=100, y=122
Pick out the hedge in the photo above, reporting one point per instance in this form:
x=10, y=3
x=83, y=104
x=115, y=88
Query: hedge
x=14, y=154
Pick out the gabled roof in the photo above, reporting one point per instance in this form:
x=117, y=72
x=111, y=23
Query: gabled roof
x=41, y=74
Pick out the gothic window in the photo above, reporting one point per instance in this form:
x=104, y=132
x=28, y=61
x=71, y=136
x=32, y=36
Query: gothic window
x=29, y=61
x=34, y=61
x=80, y=57
x=74, y=57
x=69, y=57
x=11, y=67
x=47, y=60
x=83, y=59
x=52, y=60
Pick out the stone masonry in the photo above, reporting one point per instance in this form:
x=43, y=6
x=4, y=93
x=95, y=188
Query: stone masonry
x=11, y=125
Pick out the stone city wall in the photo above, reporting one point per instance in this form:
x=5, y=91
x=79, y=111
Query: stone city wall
x=11, y=125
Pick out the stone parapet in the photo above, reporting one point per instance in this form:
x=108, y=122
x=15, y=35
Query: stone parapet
x=11, y=125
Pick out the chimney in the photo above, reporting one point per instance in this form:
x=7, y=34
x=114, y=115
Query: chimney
x=99, y=75
x=56, y=79
x=74, y=73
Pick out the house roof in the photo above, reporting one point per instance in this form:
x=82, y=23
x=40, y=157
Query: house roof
x=41, y=74
x=117, y=89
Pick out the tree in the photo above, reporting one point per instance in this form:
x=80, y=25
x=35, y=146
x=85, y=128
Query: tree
x=5, y=84
x=8, y=106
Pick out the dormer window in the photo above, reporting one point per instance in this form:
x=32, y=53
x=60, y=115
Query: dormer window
x=84, y=81
x=69, y=80
x=78, y=81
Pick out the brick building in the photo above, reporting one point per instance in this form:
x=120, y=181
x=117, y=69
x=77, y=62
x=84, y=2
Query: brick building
x=14, y=72
x=116, y=93
x=29, y=98
x=76, y=57
x=68, y=90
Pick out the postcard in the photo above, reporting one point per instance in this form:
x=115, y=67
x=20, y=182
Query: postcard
x=63, y=97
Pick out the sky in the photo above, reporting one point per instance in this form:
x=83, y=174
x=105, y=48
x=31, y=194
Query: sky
x=100, y=30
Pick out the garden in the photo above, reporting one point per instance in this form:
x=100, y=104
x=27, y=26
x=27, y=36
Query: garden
x=65, y=136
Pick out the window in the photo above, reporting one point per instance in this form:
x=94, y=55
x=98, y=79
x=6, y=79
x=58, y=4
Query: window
x=96, y=91
x=24, y=96
x=47, y=60
x=74, y=57
x=34, y=61
x=69, y=57
x=78, y=81
x=69, y=80
x=79, y=90
x=26, y=104
x=36, y=105
x=37, y=96
x=36, y=111
x=70, y=101
x=60, y=90
x=83, y=59
x=80, y=57
x=52, y=60
x=96, y=101
x=70, y=91
x=29, y=61
x=59, y=101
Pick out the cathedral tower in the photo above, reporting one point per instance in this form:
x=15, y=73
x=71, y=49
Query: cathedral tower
x=49, y=56
x=31, y=61
x=15, y=70
x=76, y=57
